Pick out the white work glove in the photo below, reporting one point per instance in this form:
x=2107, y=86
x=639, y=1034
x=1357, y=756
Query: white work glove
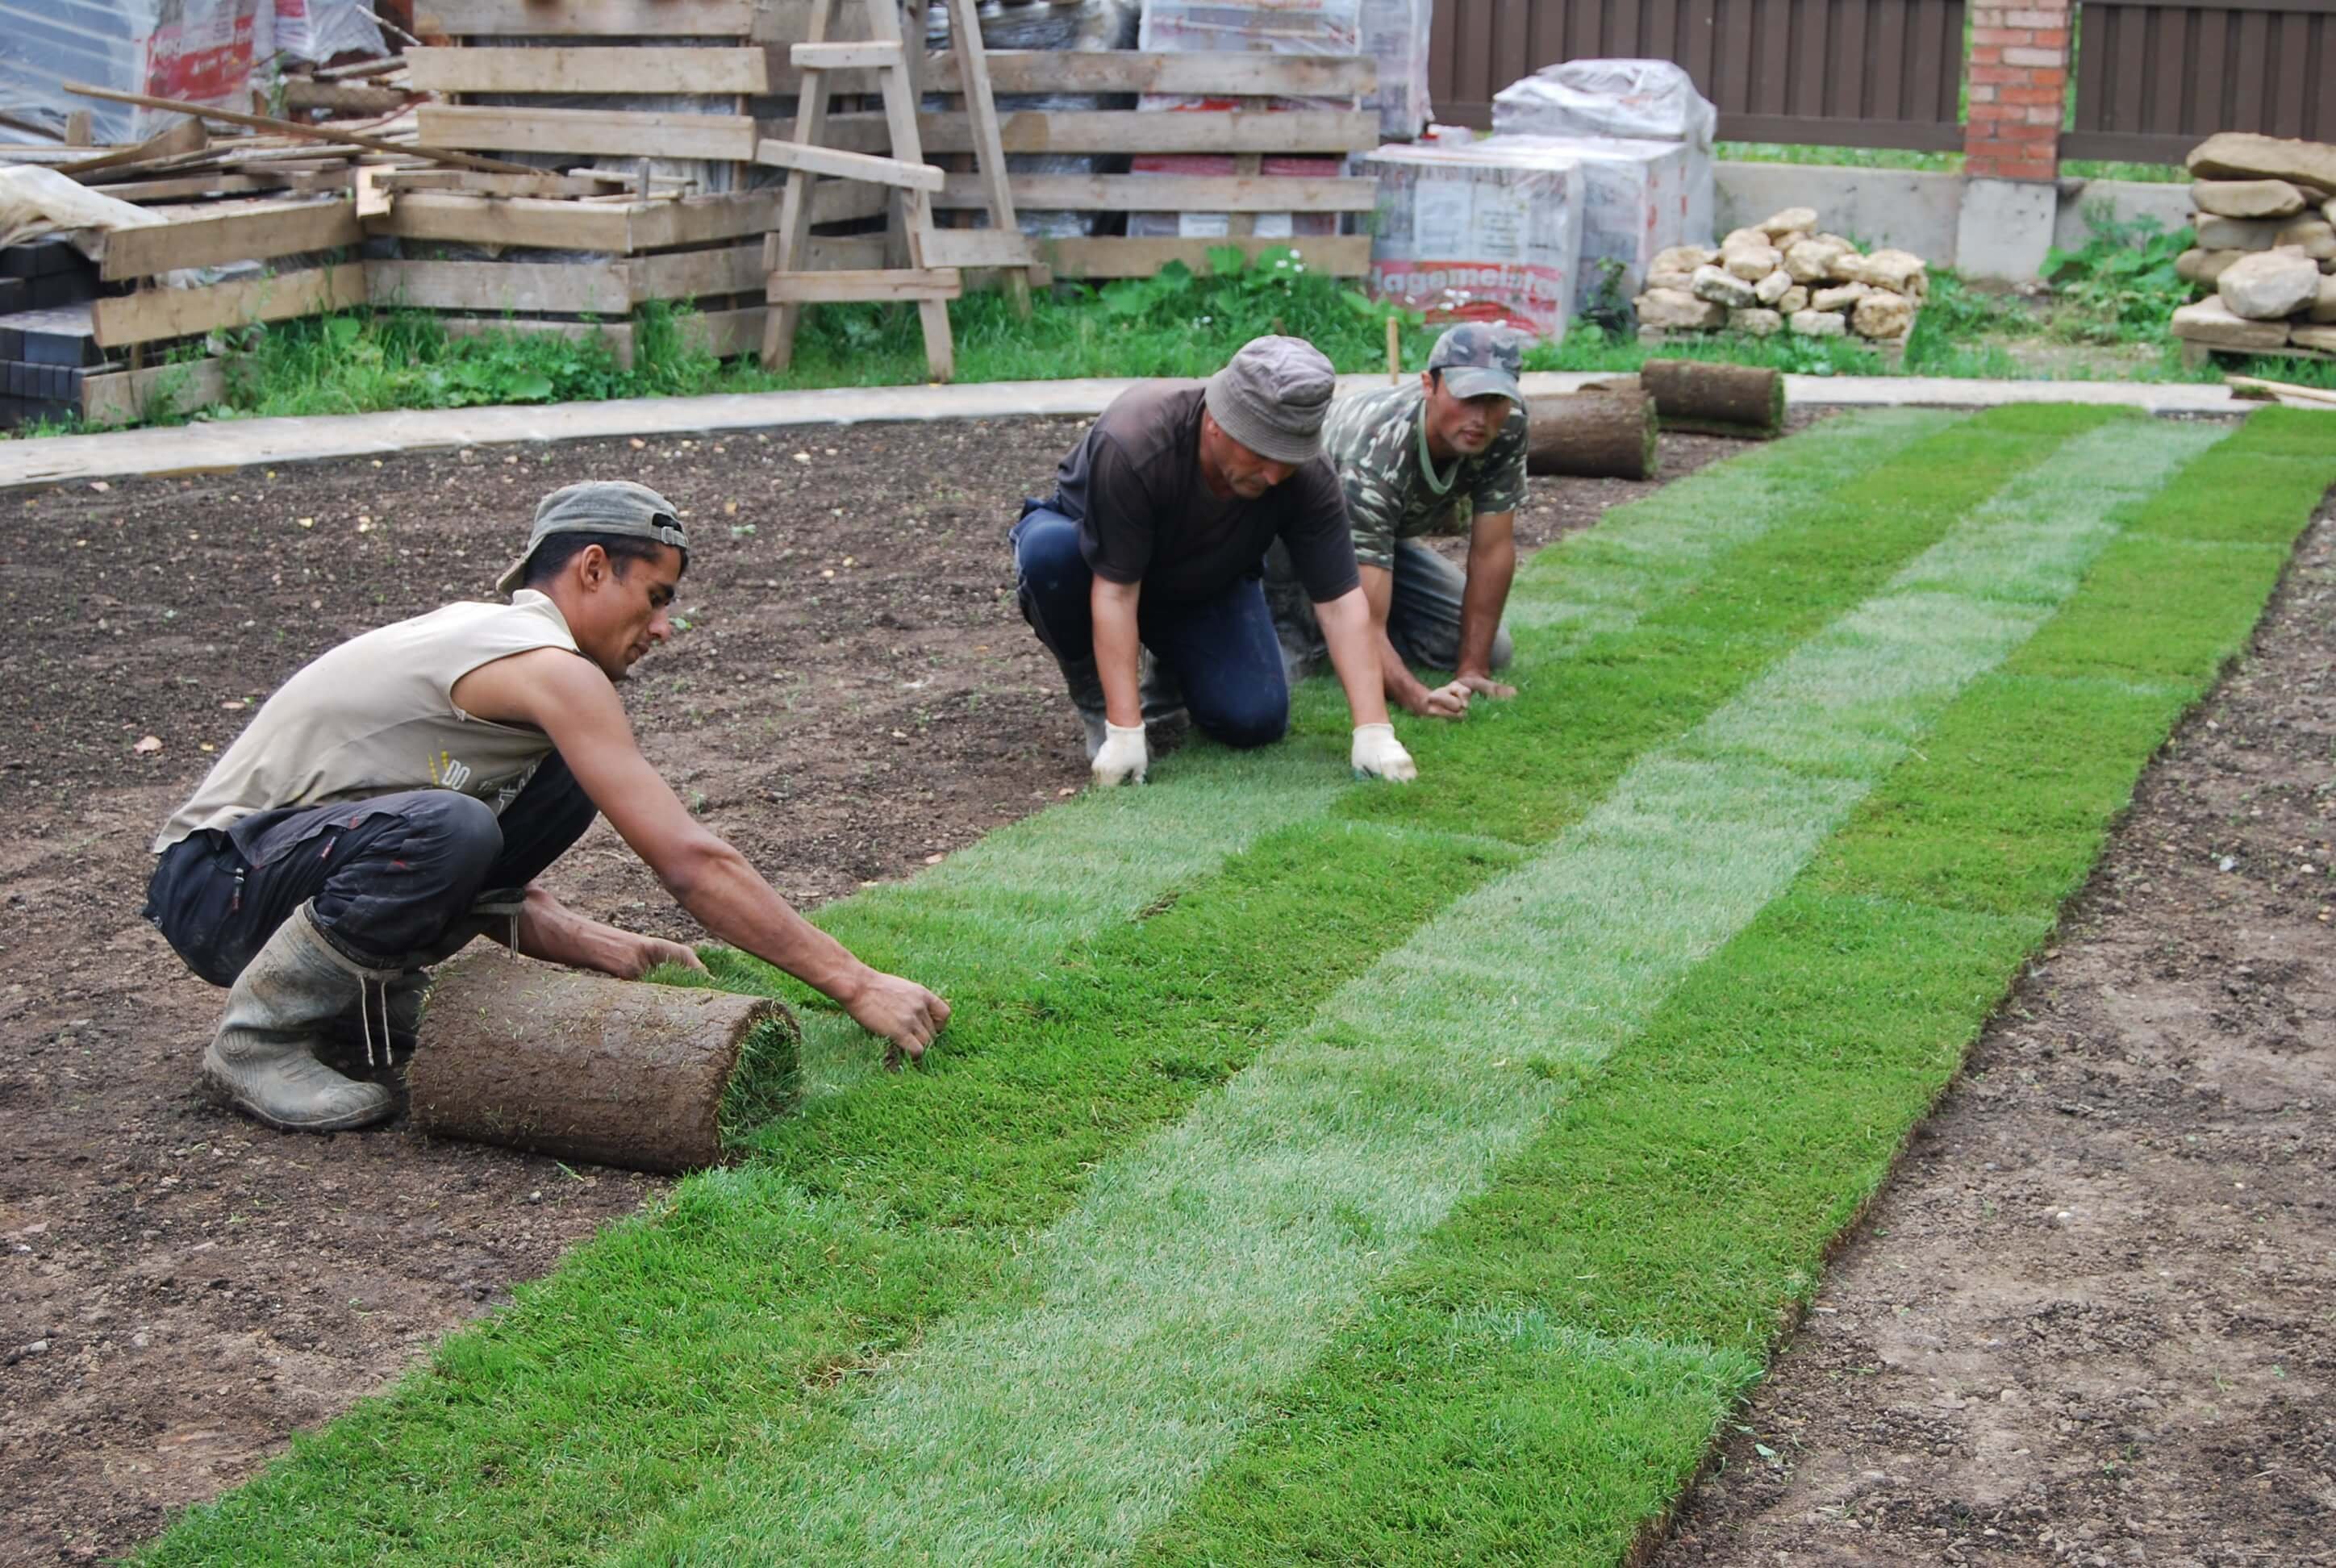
x=1378, y=755
x=1122, y=758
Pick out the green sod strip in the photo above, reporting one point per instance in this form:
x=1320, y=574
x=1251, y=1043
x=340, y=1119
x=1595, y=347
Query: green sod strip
x=1688, y=1193
x=662, y=1350
x=1203, y=1269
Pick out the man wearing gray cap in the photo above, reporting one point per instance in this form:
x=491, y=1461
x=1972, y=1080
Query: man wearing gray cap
x=1153, y=542
x=1444, y=456
x=399, y=795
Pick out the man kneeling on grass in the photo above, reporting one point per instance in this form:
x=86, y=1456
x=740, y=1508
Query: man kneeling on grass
x=1445, y=456
x=397, y=797
x=1153, y=542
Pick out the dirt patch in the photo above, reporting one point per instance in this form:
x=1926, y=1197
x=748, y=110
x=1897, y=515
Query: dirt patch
x=853, y=694
x=2093, y=1319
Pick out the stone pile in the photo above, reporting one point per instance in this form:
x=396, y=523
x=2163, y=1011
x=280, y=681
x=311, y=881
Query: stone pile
x=2266, y=251
x=1782, y=275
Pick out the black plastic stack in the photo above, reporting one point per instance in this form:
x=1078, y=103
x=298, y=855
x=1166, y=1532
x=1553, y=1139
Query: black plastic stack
x=46, y=344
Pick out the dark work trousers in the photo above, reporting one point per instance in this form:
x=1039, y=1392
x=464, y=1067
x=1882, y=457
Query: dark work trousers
x=389, y=875
x=1222, y=649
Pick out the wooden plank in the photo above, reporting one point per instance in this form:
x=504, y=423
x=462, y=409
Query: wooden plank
x=192, y=187
x=724, y=334
x=584, y=18
x=1213, y=76
x=843, y=253
x=698, y=274
x=591, y=69
x=551, y=288
x=1346, y=256
x=842, y=165
x=979, y=248
x=852, y=287
x=1170, y=193
x=334, y=137
x=246, y=234
x=784, y=248
x=989, y=159
x=720, y=138
x=338, y=99
x=1135, y=130
x=460, y=217
x=155, y=314
x=127, y=396
x=871, y=55
x=176, y=139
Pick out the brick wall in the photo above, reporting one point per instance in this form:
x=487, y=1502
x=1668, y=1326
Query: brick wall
x=2019, y=76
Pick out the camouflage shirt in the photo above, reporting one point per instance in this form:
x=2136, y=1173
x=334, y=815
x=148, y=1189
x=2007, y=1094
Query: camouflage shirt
x=1377, y=444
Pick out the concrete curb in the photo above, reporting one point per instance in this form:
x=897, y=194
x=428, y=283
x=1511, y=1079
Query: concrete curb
x=228, y=444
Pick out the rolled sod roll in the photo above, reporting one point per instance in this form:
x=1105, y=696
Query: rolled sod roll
x=585, y=1067
x=1601, y=433
x=1697, y=394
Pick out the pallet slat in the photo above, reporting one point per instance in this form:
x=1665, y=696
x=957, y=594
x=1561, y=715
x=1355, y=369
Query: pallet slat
x=551, y=287
x=1170, y=193
x=718, y=137
x=244, y=234
x=154, y=314
x=591, y=69
x=842, y=165
x=127, y=396
x=854, y=286
x=1214, y=75
x=1135, y=130
x=584, y=18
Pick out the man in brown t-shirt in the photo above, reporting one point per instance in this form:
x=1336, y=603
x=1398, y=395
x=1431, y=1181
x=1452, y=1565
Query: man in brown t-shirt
x=1155, y=538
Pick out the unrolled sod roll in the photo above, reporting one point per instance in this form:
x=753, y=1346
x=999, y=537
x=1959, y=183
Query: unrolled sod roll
x=585, y=1067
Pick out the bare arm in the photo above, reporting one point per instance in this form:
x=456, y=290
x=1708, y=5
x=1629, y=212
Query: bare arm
x=1119, y=651
x=1346, y=630
x=1492, y=566
x=1403, y=689
x=550, y=930
x=573, y=704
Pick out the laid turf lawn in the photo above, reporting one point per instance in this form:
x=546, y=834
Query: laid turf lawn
x=1327, y=1172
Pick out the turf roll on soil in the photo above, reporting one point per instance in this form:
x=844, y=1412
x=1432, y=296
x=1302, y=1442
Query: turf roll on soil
x=586, y=1067
x=1695, y=394
x=1598, y=432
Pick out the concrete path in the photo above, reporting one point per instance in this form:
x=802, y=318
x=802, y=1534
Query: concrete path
x=245, y=442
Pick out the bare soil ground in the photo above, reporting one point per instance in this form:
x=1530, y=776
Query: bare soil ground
x=854, y=695
x=2093, y=1318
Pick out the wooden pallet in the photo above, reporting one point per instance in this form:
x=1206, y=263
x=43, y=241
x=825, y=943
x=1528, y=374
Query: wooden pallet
x=2194, y=354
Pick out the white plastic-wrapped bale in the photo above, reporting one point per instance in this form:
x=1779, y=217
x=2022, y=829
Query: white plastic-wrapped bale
x=1634, y=196
x=1631, y=100
x=1315, y=27
x=1469, y=231
x=1396, y=33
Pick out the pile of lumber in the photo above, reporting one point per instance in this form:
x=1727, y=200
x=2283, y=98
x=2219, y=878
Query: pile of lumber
x=2266, y=248
x=1782, y=275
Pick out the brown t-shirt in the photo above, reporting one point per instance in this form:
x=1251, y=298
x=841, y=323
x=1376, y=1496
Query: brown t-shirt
x=1133, y=485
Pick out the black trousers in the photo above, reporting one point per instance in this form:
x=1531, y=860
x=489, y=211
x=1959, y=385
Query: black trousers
x=389, y=875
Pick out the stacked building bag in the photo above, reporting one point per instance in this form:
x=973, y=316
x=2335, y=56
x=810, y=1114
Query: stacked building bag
x=2266, y=229
x=1478, y=230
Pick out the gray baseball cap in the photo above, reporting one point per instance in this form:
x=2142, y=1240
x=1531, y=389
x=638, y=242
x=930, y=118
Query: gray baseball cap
x=616, y=506
x=1272, y=397
x=1477, y=358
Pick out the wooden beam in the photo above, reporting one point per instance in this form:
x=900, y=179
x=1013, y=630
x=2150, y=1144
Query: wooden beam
x=127, y=396
x=698, y=274
x=1346, y=256
x=720, y=138
x=155, y=314
x=1134, y=130
x=1171, y=193
x=844, y=165
x=852, y=287
x=870, y=56
x=338, y=99
x=1213, y=76
x=979, y=248
x=460, y=217
x=591, y=69
x=584, y=18
x=173, y=140
x=250, y=233
x=305, y=133
x=551, y=288
x=192, y=187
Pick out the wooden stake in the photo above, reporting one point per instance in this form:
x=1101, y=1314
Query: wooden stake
x=1394, y=351
x=308, y=132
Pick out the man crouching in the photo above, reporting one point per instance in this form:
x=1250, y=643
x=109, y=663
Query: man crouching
x=399, y=795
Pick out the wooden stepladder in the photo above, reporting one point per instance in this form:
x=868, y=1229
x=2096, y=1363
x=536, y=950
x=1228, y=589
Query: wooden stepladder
x=936, y=257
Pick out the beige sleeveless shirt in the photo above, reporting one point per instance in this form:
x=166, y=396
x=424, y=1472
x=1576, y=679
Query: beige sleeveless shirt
x=376, y=715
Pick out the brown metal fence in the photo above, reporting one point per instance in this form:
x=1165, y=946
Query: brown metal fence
x=2153, y=78
x=1838, y=72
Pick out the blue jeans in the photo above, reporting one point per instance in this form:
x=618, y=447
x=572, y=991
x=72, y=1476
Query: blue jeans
x=1222, y=649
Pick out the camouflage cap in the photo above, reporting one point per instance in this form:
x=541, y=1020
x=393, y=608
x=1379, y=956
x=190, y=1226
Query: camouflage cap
x=1477, y=358
x=616, y=506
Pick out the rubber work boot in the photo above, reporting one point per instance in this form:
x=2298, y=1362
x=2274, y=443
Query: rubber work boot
x=1087, y=695
x=278, y=1010
x=1165, y=721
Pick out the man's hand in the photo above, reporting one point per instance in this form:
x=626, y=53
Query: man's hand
x=1442, y=702
x=1485, y=685
x=1123, y=758
x=901, y=1013
x=1377, y=754
x=654, y=950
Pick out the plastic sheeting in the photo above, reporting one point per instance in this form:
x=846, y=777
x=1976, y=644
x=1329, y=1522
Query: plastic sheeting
x=1637, y=196
x=35, y=201
x=1469, y=231
x=1646, y=99
x=1395, y=35
x=202, y=51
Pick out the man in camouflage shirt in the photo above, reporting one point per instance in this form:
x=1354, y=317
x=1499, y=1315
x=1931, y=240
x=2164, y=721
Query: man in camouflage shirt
x=1445, y=456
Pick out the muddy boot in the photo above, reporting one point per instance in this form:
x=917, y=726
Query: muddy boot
x=278, y=1010
x=1165, y=722
x=1087, y=695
